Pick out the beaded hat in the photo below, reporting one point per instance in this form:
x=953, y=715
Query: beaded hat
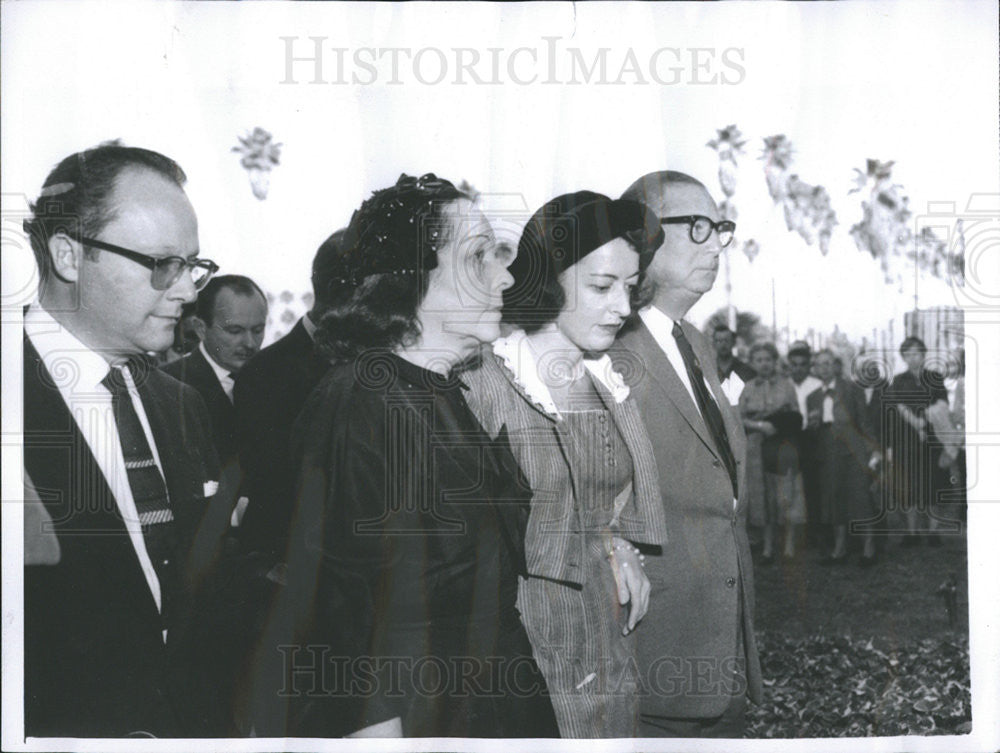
x=398, y=230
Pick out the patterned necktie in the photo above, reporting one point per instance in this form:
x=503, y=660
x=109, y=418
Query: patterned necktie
x=148, y=488
x=709, y=410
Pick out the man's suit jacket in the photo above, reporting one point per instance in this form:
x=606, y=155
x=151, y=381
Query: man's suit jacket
x=95, y=662
x=702, y=582
x=195, y=371
x=843, y=449
x=853, y=433
x=269, y=394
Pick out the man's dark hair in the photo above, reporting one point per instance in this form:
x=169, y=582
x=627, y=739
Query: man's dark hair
x=76, y=196
x=724, y=329
x=205, y=305
x=324, y=268
x=912, y=342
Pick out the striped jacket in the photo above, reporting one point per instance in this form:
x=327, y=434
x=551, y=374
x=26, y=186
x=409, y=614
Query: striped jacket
x=505, y=392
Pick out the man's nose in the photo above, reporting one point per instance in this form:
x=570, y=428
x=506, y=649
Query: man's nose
x=184, y=289
x=713, y=245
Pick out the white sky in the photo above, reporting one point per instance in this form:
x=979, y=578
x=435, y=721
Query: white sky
x=914, y=82
x=911, y=82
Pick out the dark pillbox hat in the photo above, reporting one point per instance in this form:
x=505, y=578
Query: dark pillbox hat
x=567, y=228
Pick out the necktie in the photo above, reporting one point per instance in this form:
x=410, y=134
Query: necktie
x=709, y=410
x=148, y=488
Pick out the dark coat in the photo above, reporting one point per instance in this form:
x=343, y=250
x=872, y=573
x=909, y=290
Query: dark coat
x=844, y=448
x=408, y=557
x=95, y=662
x=194, y=370
x=269, y=393
x=702, y=582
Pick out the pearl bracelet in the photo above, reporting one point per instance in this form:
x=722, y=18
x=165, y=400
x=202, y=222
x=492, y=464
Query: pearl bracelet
x=626, y=547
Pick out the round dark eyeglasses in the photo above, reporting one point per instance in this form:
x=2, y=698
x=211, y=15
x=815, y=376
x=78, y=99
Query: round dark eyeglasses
x=701, y=227
x=166, y=270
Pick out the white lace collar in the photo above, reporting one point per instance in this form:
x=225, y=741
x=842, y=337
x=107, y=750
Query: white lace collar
x=516, y=354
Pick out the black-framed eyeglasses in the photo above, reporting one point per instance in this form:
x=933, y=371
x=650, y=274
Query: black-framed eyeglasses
x=167, y=270
x=701, y=227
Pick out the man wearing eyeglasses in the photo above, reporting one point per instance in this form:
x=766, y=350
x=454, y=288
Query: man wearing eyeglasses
x=119, y=466
x=696, y=643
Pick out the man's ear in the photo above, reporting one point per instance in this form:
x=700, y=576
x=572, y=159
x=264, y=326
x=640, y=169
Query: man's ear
x=199, y=326
x=66, y=256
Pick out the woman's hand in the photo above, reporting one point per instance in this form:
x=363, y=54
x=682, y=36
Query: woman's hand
x=633, y=585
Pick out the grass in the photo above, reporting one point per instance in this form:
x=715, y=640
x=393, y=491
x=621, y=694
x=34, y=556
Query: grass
x=850, y=651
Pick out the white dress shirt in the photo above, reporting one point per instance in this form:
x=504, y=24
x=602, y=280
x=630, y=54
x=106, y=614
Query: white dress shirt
x=310, y=326
x=661, y=327
x=732, y=387
x=828, y=403
x=78, y=372
x=221, y=373
x=809, y=385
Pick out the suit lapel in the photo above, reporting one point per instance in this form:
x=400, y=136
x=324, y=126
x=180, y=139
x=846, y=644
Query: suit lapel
x=204, y=375
x=60, y=477
x=657, y=366
x=533, y=406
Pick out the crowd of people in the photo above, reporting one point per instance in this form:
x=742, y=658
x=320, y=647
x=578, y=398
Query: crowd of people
x=836, y=460
x=477, y=491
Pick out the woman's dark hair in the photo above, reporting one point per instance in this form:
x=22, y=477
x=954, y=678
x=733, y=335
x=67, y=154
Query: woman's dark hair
x=561, y=233
x=380, y=277
x=76, y=195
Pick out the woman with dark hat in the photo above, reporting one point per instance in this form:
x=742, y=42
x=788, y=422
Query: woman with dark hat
x=550, y=388
x=408, y=538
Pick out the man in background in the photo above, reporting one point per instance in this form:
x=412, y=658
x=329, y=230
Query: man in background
x=733, y=373
x=269, y=394
x=231, y=314
x=799, y=368
x=848, y=454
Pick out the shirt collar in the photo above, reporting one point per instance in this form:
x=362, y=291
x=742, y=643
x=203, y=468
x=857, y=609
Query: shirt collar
x=221, y=373
x=652, y=317
x=310, y=327
x=59, y=349
x=516, y=354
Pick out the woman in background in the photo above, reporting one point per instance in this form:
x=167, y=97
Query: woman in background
x=772, y=420
x=408, y=539
x=549, y=387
